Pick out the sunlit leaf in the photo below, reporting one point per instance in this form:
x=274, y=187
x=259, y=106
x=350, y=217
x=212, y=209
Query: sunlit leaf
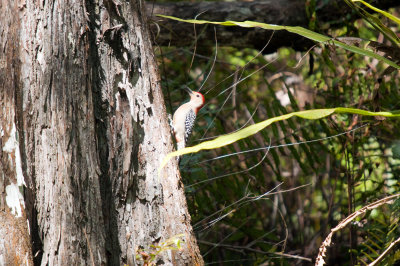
x=375, y=22
x=386, y=14
x=253, y=129
x=298, y=30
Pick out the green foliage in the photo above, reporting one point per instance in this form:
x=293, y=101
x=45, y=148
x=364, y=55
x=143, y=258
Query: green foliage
x=274, y=196
x=298, y=30
x=253, y=129
x=149, y=257
x=375, y=21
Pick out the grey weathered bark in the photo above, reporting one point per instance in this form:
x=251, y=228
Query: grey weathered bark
x=59, y=128
x=86, y=99
x=15, y=247
x=147, y=209
x=167, y=32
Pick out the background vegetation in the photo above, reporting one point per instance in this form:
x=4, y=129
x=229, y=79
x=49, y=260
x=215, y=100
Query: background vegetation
x=274, y=197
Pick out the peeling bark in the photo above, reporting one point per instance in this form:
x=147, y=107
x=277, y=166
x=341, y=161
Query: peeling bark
x=15, y=246
x=145, y=209
x=59, y=128
x=81, y=88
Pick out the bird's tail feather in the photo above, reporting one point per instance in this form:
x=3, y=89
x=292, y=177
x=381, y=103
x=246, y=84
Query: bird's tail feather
x=180, y=145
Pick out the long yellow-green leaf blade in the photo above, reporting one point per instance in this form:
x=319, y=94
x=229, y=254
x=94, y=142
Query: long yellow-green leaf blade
x=375, y=22
x=298, y=30
x=386, y=14
x=253, y=129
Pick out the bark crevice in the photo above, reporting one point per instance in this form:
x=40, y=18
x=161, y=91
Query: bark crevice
x=89, y=111
x=102, y=113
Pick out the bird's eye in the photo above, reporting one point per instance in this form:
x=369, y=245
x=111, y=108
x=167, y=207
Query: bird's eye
x=198, y=95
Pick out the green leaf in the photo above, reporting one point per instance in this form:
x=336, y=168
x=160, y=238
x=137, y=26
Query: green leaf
x=253, y=129
x=386, y=14
x=375, y=22
x=298, y=30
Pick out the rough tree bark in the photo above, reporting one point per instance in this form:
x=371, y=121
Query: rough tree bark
x=147, y=208
x=15, y=247
x=330, y=14
x=81, y=83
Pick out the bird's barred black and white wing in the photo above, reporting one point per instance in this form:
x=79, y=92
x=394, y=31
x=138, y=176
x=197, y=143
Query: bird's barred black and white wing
x=189, y=123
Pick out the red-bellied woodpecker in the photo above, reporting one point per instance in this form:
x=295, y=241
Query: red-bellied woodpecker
x=184, y=117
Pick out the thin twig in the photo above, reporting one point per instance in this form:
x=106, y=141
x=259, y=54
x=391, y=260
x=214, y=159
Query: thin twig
x=215, y=59
x=234, y=173
x=195, y=37
x=243, y=126
x=243, y=68
x=327, y=242
x=385, y=252
x=284, y=145
x=242, y=201
x=233, y=247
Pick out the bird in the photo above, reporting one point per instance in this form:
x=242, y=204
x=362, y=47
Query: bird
x=184, y=117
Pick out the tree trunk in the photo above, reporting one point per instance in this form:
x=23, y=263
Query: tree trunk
x=145, y=208
x=93, y=132
x=15, y=247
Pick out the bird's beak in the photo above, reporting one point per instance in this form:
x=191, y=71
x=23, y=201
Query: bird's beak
x=188, y=90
